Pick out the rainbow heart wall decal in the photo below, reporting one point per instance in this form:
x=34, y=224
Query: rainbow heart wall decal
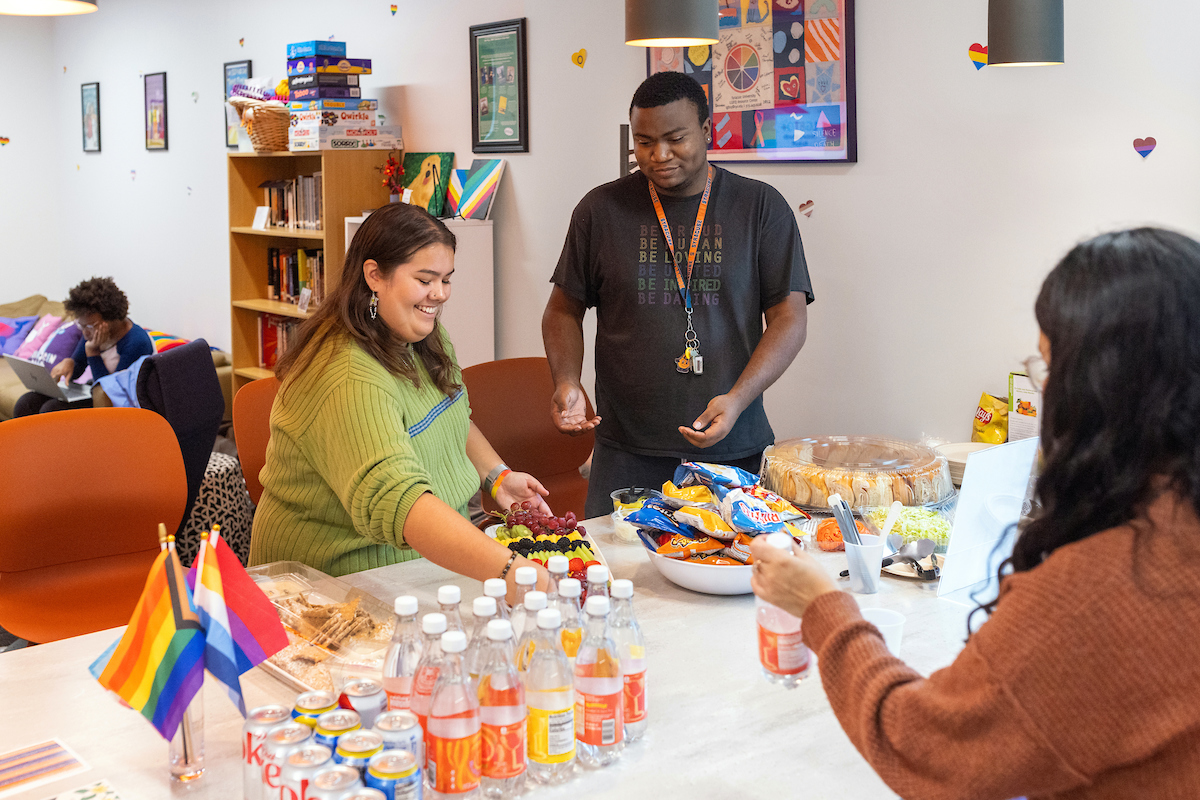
x=1145, y=146
x=393, y=10
x=978, y=54
x=3, y=140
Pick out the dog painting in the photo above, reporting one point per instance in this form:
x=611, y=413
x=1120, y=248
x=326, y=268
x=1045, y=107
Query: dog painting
x=427, y=175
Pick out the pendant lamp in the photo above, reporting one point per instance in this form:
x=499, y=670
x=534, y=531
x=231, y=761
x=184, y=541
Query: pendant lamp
x=670, y=23
x=1025, y=33
x=46, y=8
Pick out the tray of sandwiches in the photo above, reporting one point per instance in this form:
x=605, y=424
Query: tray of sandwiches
x=334, y=630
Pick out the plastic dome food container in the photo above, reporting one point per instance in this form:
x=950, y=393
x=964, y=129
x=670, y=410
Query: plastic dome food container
x=704, y=578
x=865, y=470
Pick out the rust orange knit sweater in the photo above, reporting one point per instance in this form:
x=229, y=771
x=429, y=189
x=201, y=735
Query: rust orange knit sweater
x=1085, y=682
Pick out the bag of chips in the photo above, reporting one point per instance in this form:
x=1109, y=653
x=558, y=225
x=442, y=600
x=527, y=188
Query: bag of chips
x=715, y=560
x=681, y=545
x=696, y=495
x=657, y=516
x=748, y=514
x=991, y=420
x=712, y=475
x=706, y=521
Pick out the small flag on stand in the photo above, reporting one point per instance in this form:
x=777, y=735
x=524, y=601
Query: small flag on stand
x=157, y=666
x=242, y=627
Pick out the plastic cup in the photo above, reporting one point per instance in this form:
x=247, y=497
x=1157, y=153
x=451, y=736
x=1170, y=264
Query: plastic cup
x=890, y=624
x=626, y=501
x=865, y=560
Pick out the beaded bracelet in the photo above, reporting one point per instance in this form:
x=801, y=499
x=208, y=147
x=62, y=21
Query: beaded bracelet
x=508, y=566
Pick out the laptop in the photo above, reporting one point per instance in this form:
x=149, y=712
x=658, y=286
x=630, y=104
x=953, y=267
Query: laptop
x=36, y=378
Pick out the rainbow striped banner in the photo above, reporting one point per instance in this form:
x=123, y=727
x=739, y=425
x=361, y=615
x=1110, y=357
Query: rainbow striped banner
x=242, y=628
x=157, y=666
x=454, y=194
x=480, y=187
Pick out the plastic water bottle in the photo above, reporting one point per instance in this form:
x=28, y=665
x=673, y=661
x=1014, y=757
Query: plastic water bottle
x=484, y=609
x=558, y=567
x=453, y=740
x=531, y=638
x=597, y=581
x=403, y=654
x=502, y=715
x=428, y=669
x=448, y=598
x=781, y=650
x=626, y=634
x=526, y=581
x=599, y=692
x=572, y=626
x=550, y=705
x=497, y=589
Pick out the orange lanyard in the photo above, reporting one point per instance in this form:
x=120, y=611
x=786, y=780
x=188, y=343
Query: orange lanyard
x=685, y=287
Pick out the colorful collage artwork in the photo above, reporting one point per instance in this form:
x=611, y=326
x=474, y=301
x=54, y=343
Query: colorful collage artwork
x=780, y=81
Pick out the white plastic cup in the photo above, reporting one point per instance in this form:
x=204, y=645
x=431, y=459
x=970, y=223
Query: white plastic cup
x=864, y=561
x=890, y=624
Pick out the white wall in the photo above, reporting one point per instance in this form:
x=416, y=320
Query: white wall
x=925, y=256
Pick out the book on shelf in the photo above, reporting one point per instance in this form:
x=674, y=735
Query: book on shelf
x=294, y=203
x=275, y=334
x=291, y=270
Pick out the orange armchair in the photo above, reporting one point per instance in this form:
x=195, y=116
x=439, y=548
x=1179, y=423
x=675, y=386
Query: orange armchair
x=252, y=429
x=510, y=403
x=82, y=493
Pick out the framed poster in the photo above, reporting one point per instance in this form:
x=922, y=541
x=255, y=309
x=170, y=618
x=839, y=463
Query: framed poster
x=236, y=72
x=499, y=88
x=90, y=109
x=155, y=85
x=780, y=81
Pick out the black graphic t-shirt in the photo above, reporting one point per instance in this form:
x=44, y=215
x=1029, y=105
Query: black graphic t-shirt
x=749, y=258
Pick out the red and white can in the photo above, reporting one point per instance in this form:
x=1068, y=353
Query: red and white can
x=254, y=733
x=311, y=705
x=279, y=744
x=366, y=696
x=333, y=783
x=301, y=766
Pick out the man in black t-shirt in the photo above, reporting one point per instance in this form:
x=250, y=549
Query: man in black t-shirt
x=656, y=402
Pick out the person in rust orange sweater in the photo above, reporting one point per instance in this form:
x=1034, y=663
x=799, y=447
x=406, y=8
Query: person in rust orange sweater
x=1084, y=682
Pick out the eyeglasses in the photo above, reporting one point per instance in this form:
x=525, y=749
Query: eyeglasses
x=85, y=328
x=1038, y=371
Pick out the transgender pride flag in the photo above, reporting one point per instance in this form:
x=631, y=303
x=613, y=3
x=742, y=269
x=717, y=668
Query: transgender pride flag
x=241, y=626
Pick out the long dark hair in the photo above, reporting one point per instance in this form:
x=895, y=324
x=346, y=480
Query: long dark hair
x=1121, y=408
x=391, y=236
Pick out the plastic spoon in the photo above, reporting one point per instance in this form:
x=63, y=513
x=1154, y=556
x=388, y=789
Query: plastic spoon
x=892, y=515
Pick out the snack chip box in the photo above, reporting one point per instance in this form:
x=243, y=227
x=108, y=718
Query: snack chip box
x=345, y=116
x=321, y=79
x=316, y=48
x=325, y=93
x=1024, y=405
x=319, y=64
x=330, y=104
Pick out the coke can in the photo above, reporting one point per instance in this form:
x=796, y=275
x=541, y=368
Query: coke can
x=396, y=773
x=254, y=733
x=333, y=783
x=355, y=749
x=333, y=724
x=401, y=731
x=300, y=767
x=279, y=744
x=366, y=696
x=365, y=794
x=311, y=705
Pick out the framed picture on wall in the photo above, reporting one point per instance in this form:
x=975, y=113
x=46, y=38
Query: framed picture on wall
x=780, y=81
x=155, y=85
x=90, y=109
x=499, y=88
x=236, y=72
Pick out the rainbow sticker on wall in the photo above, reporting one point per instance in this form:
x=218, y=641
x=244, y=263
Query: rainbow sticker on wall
x=978, y=54
x=3, y=140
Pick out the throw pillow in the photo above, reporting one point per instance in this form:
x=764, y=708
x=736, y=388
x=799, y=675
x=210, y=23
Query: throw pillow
x=61, y=344
x=164, y=341
x=38, y=336
x=13, y=331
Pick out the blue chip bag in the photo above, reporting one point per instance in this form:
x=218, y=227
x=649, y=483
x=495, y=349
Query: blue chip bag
x=714, y=476
x=748, y=514
x=657, y=515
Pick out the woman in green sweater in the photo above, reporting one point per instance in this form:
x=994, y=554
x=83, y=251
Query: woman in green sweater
x=373, y=455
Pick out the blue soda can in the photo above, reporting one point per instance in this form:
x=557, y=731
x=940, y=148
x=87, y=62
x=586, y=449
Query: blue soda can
x=355, y=749
x=396, y=773
x=332, y=724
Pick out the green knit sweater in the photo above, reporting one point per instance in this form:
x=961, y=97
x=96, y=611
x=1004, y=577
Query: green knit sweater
x=352, y=448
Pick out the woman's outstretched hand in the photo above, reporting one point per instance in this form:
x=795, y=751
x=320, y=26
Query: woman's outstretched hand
x=519, y=487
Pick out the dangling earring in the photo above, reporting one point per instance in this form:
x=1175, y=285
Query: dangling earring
x=374, y=306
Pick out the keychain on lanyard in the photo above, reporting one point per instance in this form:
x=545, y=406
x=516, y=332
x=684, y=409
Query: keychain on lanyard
x=691, y=360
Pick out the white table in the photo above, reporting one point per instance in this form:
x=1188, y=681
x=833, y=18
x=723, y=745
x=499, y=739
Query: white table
x=717, y=728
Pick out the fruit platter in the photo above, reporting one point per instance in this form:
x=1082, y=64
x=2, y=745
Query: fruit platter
x=537, y=536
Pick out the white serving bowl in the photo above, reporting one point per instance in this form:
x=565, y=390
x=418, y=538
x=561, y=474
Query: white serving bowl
x=706, y=578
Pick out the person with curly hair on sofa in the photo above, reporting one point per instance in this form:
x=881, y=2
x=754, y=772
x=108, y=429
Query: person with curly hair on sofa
x=110, y=343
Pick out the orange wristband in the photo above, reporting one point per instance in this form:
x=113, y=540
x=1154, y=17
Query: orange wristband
x=499, y=478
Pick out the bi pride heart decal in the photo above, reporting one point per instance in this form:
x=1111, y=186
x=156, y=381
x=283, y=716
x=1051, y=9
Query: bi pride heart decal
x=1145, y=146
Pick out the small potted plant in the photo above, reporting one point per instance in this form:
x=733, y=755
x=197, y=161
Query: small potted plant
x=393, y=173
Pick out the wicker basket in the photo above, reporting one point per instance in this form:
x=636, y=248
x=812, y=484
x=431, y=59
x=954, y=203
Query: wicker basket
x=266, y=123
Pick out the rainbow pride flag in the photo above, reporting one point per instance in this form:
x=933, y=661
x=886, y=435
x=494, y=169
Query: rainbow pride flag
x=241, y=626
x=454, y=191
x=157, y=666
x=480, y=188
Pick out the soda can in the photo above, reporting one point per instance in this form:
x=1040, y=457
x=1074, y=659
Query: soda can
x=396, y=773
x=311, y=705
x=279, y=744
x=365, y=794
x=333, y=783
x=355, y=749
x=254, y=733
x=333, y=724
x=366, y=696
x=300, y=767
x=401, y=731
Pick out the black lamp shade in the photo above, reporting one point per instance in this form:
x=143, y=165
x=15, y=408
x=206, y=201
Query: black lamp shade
x=670, y=23
x=1025, y=32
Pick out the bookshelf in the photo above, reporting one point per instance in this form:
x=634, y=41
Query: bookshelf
x=350, y=184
